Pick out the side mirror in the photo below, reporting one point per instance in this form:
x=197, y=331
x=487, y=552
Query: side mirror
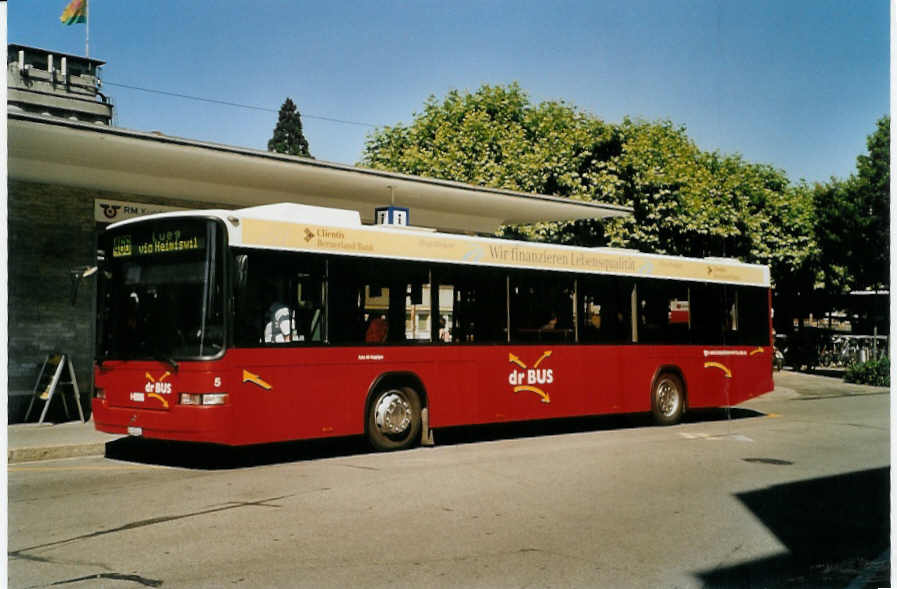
x=241, y=264
x=77, y=275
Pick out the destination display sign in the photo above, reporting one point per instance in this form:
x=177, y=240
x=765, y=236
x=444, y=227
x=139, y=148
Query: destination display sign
x=155, y=242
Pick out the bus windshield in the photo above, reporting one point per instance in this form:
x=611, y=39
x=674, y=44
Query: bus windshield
x=162, y=294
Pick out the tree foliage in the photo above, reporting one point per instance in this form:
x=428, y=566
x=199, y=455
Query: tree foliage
x=288, y=137
x=853, y=220
x=685, y=201
x=495, y=137
x=873, y=199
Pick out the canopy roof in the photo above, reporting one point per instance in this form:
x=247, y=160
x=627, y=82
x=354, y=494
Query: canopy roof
x=58, y=151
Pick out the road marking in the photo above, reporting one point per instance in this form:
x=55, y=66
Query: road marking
x=701, y=436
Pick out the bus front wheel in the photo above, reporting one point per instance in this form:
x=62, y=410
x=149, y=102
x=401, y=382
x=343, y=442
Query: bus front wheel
x=393, y=419
x=667, y=399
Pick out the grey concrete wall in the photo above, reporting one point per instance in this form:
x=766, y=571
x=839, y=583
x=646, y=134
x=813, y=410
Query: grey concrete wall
x=51, y=230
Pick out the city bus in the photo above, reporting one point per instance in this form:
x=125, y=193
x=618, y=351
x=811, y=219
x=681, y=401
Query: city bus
x=289, y=322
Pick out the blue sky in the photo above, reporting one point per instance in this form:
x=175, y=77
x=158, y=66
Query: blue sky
x=797, y=84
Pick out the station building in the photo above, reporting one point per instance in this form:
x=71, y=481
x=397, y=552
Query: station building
x=72, y=172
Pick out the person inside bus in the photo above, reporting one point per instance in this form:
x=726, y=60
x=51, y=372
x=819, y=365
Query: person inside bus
x=280, y=327
x=377, y=330
x=445, y=333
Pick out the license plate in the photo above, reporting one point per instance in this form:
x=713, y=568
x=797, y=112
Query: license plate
x=138, y=397
x=135, y=431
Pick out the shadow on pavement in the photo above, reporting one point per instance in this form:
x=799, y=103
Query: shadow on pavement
x=217, y=457
x=835, y=529
x=573, y=425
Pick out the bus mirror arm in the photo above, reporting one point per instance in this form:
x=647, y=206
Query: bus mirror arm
x=77, y=275
x=241, y=263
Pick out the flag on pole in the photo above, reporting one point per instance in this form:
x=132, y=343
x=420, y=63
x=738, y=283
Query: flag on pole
x=75, y=12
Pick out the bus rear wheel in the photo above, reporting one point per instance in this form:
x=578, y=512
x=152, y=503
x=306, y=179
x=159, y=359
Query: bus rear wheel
x=393, y=419
x=667, y=399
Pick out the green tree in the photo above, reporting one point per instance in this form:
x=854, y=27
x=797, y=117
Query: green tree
x=494, y=137
x=835, y=230
x=853, y=220
x=872, y=195
x=288, y=137
x=685, y=201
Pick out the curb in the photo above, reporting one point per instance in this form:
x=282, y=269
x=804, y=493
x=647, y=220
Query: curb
x=15, y=455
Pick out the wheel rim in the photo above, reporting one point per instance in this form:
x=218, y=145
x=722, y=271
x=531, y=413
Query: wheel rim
x=668, y=398
x=392, y=414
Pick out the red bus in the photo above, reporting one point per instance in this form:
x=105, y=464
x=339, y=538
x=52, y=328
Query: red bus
x=286, y=322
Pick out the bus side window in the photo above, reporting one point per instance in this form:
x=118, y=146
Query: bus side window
x=279, y=299
x=605, y=304
x=753, y=313
x=379, y=301
x=664, y=312
x=309, y=288
x=541, y=307
x=708, y=324
x=444, y=303
x=472, y=306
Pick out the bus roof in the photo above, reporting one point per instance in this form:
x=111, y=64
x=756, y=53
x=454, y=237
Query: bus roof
x=306, y=228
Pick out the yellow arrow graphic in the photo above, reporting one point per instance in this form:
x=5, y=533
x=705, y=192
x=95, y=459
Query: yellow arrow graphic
x=516, y=360
x=255, y=379
x=759, y=350
x=161, y=378
x=538, y=391
x=160, y=397
x=539, y=361
x=722, y=367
